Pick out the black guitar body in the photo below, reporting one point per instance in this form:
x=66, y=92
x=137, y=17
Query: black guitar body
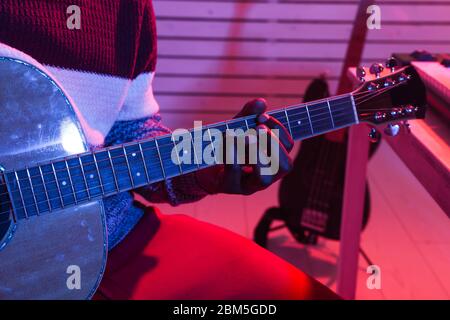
x=311, y=195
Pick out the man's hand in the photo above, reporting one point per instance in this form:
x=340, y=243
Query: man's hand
x=247, y=179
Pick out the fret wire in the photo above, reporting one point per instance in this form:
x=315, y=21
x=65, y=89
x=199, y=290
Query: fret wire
x=300, y=125
x=21, y=195
x=160, y=160
x=213, y=146
x=113, y=170
x=98, y=173
x=128, y=167
x=339, y=117
x=322, y=118
x=246, y=123
x=315, y=116
x=288, y=122
x=300, y=110
x=178, y=157
x=32, y=191
x=84, y=177
x=57, y=185
x=301, y=106
x=193, y=148
x=354, y=108
x=331, y=115
x=71, y=182
x=5, y=182
x=309, y=117
x=11, y=197
x=45, y=188
x=157, y=147
x=312, y=117
x=145, y=164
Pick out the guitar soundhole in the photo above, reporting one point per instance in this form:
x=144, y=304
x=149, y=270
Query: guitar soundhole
x=5, y=213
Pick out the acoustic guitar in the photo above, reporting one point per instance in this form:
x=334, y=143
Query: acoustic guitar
x=52, y=220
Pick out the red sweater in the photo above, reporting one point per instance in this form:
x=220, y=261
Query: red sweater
x=116, y=37
x=107, y=69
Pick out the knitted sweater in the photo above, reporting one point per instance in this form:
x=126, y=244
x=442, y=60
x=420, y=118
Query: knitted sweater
x=106, y=68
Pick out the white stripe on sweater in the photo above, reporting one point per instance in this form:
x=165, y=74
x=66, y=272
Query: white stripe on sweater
x=99, y=100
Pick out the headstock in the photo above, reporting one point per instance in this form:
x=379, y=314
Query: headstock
x=389, y=95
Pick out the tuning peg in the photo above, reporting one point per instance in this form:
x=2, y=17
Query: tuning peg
x=407, y=126
x=391, y=63
x=372, y=86
x=392, y=130
x=376, y=69
x=388, y=82
x=409, y=109
x=374, y=135
x=360, y=73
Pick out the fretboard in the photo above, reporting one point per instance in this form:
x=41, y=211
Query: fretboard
x=81, y=178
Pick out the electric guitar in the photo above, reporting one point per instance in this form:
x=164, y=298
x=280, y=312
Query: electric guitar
x=311, y=194
x=52, y=221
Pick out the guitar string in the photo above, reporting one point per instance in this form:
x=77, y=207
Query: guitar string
x=320, y=193
x=81, y=191
x=51, y=185
x=73, y=195
x=164, y=136
x=159, y=138
x=132, y=154
x=130, y=178
x=127, y=154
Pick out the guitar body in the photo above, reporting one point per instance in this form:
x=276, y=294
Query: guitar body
x=45, y=256
x=311, y=195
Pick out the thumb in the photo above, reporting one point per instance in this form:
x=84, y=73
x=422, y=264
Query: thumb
x=256, y=106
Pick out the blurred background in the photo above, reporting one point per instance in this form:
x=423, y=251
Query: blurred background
x=216, y=55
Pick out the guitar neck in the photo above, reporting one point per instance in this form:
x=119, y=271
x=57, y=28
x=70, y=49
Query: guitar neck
x=80, y=178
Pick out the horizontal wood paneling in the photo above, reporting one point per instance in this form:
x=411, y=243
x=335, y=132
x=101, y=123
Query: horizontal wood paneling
x=259, y=68
x=223, y=104
x=215, y=55
x=250, y=49
x=255, y=87
x=428, y=29
x=249, y=31
x=253, y=30
x=304, y=11
x=254, y=10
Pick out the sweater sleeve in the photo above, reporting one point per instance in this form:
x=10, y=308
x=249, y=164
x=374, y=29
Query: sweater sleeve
x=175, y=191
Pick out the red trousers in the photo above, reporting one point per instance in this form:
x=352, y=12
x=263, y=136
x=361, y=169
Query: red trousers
x=178, y=257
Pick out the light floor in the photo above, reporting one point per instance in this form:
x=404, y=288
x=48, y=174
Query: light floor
x=408, y=235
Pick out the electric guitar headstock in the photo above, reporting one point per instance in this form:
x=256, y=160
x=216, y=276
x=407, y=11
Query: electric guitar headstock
x=389, y=95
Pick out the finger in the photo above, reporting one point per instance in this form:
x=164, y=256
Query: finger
x=273, y=123
x=263, y=175
x=283, y=162
x=256, y=106
x=232, y=170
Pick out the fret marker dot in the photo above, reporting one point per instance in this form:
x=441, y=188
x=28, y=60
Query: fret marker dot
x=299, y=122
x=185, y=152
x=138, y=174
x=91, y=176
x=63, y=183
x=133, y=154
